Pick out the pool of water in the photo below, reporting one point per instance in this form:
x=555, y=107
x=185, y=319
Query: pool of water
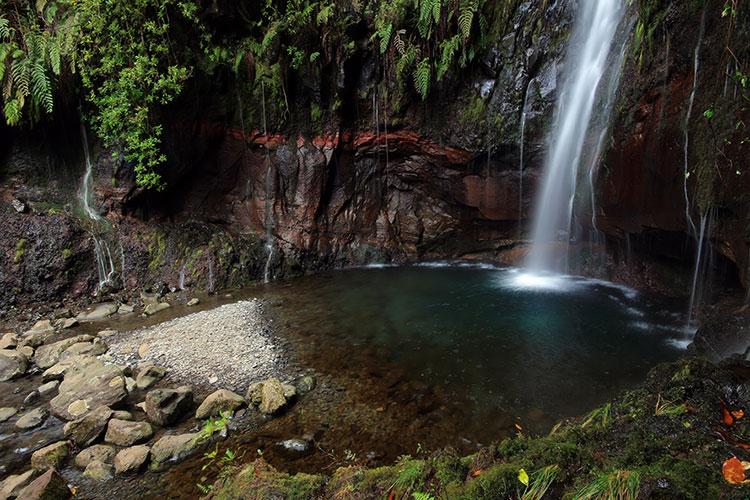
x=494, y=341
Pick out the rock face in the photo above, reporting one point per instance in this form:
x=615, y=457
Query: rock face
x=12, y=364
x=131, y=459
x=88, y=384
x=127, y=433
x=166, y=406
x=88, y=429
x=50, y=457
x=48, y=486
x=219, y=401
x=270, y=396
x=173, y=448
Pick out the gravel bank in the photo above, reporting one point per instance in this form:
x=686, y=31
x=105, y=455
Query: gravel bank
x=229, y=346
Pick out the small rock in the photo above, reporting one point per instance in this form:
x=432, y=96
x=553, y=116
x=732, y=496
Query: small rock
x=7, y=412
x=101, y=452
x=294, y=448
x=26, y=350
x=148, y=376
x=270, y=396
x=48, y=486
x=32, y=419
x=173, y=448
x=98, y=471
x=152, y=309
x=94, y=348
x=50, y=457
x=56, y=372
x=143, y=350
x=18, y=205
x=49, y=387
x=31, y=397
x=130, y=384
x=11, y=487
x=131, y=459
x=39, y=333
x=99, y=312
x=9, y=341
x=106, y=333
x=122, y=415
x=125, y=309
x=69, y=323
x=12, y=364
x=305, y=384
x=166, y=406
x=193, y=302
x=88, y=429
x=127, y=433
x=219, y=401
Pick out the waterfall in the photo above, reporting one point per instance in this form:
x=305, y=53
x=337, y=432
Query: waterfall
x=521, y=137
x=686, y=172
x=267, y=203
x=181, y=280
x=702, y=264
x=105, y=265
x=588, y=60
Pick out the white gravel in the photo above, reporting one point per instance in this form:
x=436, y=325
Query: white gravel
x=229, y=347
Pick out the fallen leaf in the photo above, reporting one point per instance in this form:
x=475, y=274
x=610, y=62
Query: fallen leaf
x=476, y=473
x=523, y=477
x=738, y=414
x=733, y=471
x=726, y=417
x=392, y=496
x=518, y=427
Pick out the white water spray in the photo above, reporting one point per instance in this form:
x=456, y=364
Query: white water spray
x=587, y=61
x=105, y=265
x=686, y=170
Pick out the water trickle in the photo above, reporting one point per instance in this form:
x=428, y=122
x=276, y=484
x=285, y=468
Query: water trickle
x=211, y=286
x=99, y=226
x=181, y=280
x=589, y=64
x=686, y=128
x=521, y=140
x=702, y=264
x=267, y=205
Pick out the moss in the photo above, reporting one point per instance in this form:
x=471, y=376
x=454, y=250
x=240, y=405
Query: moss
x=19, y=251
x=66, y=253
x=261, y=481
x=499, y=481
x=157, y=249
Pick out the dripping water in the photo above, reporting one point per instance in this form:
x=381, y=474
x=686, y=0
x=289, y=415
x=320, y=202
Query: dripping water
x=686, y=173
x=702, y=264
x=211, y=285
x=105, y=266
x=269, y=187
x=521, y=145
x=181, y=281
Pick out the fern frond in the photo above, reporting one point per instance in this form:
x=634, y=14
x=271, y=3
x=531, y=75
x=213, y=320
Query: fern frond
x=448, y=50
x=466, y=17
x=405, y=62
x=422, y=75
x=6, y=32
x=385, y=37
x=53, y=50
x=398, y=42
x=21, y=75
x=41, y=87
x=12, y=112
x=437, y=7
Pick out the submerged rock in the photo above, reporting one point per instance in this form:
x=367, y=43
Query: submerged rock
x=270, y=396
x=131, y=459
x=219, y=401
x=166, y=406
x=50, y=457
x=193, y=302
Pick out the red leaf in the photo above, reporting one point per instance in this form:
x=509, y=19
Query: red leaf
x=733, y=471
x=476, y=473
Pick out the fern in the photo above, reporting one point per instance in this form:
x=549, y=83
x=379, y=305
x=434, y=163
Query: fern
x=422, y=75
x=385, y=37
x=405, y=62
x=12, y=111
x=466, y=17
x=448, y=49
x=6, y=32
x=398, y=42
x=54, y=55
x=41, y=89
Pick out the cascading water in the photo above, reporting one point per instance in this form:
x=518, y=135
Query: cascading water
x=268, y=207
x=521, y=144
x=105, y=265
x=686, y=128
x=702, y=264
x=587, y=62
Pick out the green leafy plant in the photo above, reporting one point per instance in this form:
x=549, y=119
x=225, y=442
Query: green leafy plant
x=220, y=464
x=539, y=482
x=215, y=425
x=617, y=485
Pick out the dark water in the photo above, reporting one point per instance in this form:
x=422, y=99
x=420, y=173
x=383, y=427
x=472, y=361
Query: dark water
x=538, y=353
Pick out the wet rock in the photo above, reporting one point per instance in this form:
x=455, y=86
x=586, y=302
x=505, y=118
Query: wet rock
x=131, y=459
x=100, y=312
x=219, y=401
x=125, y=309
x=88, y=383
x=48, y=388
x=101, y=452
x=49, y=354
x=152, y=309
x=69, y=323
x=173, y=448
x=148, y=376
x=270, y=396
x=34, y=418
x=7, y=412
x=31, y=397
x=294, y=448
x=12, y=364
x=18, y=205
x=9, y=341
x=193, y=302
x=98, y=471
x=127, y=433
x=50, y=457
x=48, y=486
x=305, y=384
x=166, y=406
x=39, y=334
x=12, y=486
x=88, y=429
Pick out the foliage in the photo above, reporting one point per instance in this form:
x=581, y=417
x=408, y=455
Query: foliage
x=617, y=485
x=221, y=465
x=214, y=425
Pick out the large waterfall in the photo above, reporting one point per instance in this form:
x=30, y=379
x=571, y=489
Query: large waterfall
x=589, y=67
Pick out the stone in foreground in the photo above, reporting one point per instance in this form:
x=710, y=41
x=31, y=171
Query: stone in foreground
x=12, y=364
x=127, y=433
x=34, y=418
x=131, y=459
x=166, y=406
x=270, y=396
x=101, y=452
x=173, y=448
x=50, y=457
x=12, y=486
x=98, y=471
x=88, y=384
x=48, y=486
x=88, y=429
x=219, y=401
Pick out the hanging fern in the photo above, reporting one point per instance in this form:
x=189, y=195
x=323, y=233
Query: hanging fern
x=385, y=37
x=466, y=17
x=448, y=50
x=422, y=74
x=405, y=62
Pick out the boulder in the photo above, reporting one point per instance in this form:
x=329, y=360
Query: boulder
x=7, y=412
x=50, y=457
x=101, y=452
x=88, y=384
x=125, y=309
x=270, y=396
x=12, y=486
x=48, y=387
x=127, y=433
x=69, y=323
x=131, y=459
x=99, y=312
x=148, y=376
x=49, y=354
x=88, y=429
x=193, y=302
x=26, y=350
x=173, y=448
x=94, y=348
x=48, y=486
x=33, y=418
x=9, y=341
x=216, y=402
x=13, y=364
x=98, y=471
x=39, y=334
x=122, y=415
x=152, y=309
x=166, y=406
